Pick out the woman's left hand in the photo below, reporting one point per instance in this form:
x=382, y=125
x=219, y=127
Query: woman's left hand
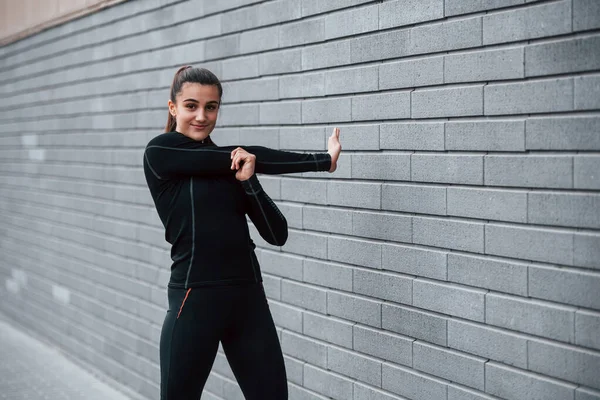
x=243, y=162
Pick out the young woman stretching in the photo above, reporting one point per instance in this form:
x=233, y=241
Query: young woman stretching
x=202, y=194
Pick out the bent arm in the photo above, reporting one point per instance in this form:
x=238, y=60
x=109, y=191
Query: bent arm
x=173, y=154
x=268, y=219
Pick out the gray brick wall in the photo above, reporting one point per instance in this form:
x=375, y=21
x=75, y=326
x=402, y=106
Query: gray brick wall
x=455, y=254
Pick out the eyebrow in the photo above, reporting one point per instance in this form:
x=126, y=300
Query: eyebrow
x=196, y=101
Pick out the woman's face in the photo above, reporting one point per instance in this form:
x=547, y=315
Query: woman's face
x=196, y=110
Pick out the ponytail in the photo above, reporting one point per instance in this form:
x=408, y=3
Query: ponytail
x=194, y=75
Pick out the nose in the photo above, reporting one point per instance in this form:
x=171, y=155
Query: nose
x=200, y=117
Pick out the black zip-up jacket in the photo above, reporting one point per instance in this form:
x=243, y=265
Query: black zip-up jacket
x=203, y=206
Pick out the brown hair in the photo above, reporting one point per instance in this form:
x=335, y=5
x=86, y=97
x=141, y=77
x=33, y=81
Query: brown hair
x=190, y=74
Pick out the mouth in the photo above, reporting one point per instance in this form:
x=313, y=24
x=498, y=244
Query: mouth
x=199, y=126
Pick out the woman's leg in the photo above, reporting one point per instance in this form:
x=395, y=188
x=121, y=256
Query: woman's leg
x=188, y=343
x=252, y=347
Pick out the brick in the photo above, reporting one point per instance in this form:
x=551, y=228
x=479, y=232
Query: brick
x=412, y=136
x=488, y=343
x=221, y=47
x=268, y=137
x=586, y=15
x=226, y=5
x=449, y=364
x=488, y=273
x=485, y=135
x=302, y=138
x=587, y=326
x=491, y=204
x=527, y=23
x=294, y=370
x=354, y=251
x=445, y=36
x=549, y=95
x=279, y=11
x=292, y=213
x=390, y=347
x=360, y=137
x=586, y=172
x=411, y=73
x=310, y=7
x=582, y=393
x=383, y=286
x=238, y=68
x=272, y=286
x=572, y=209
x=304, y=296
x=407, y=12
x=300, y=393
x=414, y=261
x=304, y=190
x=282, y=113
x=325, y=55
x=352, y=80
x=239, y=114
x=461, y=393
x=328, y=274
x=362, y=392
x=415, y=323
x=240, y=20
x=365, y=369
x=332, y=385
x=488, y=65
x=529, y=243
x=563, y=133
x=448, y=234
x=587, y=92
x=449, y=299
x=447, y=102
x=305, y=349
x=564, y=56
x=456, y=7
x=531, y=316
x=586, y=251
x=513, y=384
x=303, y=32
x=382, y=226
x=414, y=198
x=285, y=316
x=529, y=171
x=564, y=362
x=327, y=219
x=355, y=194
x=381, y=106
x=565, y=286
x=328, y=328
x=326, y=110
x=465, y=169
x=280, y=62
x=256, y=89
x=304, y=243
x=384, y=166
x=380, y=46
x=412, y=384
x=352, y=22
x=354, y=308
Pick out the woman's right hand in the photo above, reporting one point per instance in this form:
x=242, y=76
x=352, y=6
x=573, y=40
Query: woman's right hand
x=334, y=148
x=247, y=161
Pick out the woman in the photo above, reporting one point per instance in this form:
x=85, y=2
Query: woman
x=202, y=193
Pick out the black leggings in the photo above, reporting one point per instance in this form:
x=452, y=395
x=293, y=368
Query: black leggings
x=239, y=317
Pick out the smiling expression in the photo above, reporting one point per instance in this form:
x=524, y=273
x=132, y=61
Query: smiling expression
x=196, y=109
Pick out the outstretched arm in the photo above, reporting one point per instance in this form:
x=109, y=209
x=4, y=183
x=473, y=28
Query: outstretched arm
x=173, y=154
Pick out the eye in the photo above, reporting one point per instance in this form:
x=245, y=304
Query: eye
x=190, y=106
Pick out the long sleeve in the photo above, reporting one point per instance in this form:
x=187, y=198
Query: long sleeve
x=269, y=221
x=173, y=154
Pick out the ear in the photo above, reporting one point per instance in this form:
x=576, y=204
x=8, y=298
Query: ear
x=172, y=108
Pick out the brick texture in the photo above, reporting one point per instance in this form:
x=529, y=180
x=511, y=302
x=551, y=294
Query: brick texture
x=454, y=254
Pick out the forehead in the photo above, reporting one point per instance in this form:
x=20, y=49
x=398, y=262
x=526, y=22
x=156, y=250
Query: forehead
x=196, y=91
